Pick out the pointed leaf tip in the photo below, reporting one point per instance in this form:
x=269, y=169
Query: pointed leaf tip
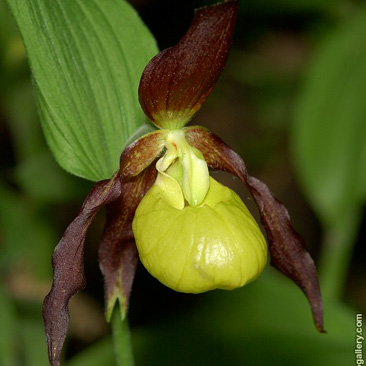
x=177, y=81
x=86, y=58
x=68, y=265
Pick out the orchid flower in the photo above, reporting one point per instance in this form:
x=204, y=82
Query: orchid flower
x=189, y=231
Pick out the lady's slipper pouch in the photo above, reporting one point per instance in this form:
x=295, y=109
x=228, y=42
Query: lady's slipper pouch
x=216, y=244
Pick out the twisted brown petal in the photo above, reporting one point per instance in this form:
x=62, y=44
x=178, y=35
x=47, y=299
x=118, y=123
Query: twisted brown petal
x=141, y=153
x=177, y=81
x=68, y=266
x=287, y=249
x=117, y=252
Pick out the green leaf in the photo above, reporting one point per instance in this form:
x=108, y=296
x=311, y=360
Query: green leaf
x=267, y=322
x=329, y=134
x=44, y=181
x=100, y=353
x=86, y=59
x=33, y=342
x=27, y=237
x=8, y=339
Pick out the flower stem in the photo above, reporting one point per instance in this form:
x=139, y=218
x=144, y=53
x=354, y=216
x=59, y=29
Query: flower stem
x=336, y=255
x=121, y=339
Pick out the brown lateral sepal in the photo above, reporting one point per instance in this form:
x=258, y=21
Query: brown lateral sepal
x=141, y=153
x=286, y=246
x=118, y=255
x=68, y=266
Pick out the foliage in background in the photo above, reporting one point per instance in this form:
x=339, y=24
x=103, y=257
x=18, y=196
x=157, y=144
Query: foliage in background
x=247, y=326
x=329, y=142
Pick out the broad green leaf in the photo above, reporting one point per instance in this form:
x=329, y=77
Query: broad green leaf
x=329, y=133
x=86, y=58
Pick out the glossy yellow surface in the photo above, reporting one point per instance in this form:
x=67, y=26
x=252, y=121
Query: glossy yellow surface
x=196, y=249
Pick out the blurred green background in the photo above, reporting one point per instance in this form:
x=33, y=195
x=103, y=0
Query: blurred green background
x=291, y=101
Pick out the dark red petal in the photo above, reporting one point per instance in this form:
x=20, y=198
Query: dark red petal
x=141, y=153
x=68, y=266
x=177, y=81
x=117, y=252
x=287, y=249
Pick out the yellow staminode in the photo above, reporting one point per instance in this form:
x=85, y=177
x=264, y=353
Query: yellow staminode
x=186, y=165
x=194, y=249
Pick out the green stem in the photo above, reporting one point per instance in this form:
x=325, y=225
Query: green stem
x=334, y=262
x=121, y=339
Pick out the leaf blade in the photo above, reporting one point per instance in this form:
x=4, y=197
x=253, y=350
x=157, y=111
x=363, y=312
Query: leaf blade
x=328, y=136
x=86, y=61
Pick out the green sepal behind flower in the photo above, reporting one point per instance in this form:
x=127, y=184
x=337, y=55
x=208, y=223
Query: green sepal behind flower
x=196, y=249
